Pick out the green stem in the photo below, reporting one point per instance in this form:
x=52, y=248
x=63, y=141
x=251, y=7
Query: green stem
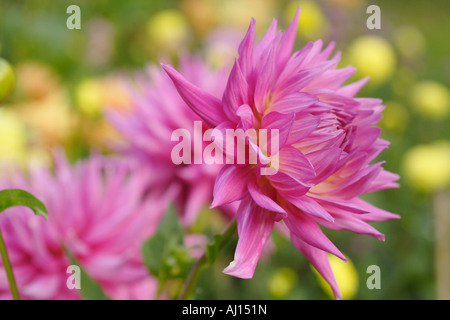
x=202, y=262
x=8, y=269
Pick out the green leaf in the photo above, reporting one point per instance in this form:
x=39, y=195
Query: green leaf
x=15, y=197
x=89, y=288
x=157, y=249
x=213, y=248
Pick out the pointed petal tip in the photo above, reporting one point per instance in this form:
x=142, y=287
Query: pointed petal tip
x=234, y=270
x=214, y=204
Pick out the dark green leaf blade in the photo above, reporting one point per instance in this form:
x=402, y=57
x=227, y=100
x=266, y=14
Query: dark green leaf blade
x=89, y=288
x=16, y=197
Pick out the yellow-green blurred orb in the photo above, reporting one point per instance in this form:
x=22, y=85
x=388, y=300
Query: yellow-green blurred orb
x=281, y=282
x=312, y=23
x=89, y=97
x=13, y=138
x=372, y=56
x=7, y=79
x=346, y=278
x=427, y=167
x=431, y=99
x=167, y=29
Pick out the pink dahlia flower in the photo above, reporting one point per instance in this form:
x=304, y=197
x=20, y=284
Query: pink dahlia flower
x=326, y=142
x=156, y=112
x=100, y=212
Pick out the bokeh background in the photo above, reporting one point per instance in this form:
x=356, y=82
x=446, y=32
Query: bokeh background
x=66, y=79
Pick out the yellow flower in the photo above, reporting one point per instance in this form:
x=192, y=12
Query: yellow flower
x=427, y=167
x=200, y=14
x=167, y=30
x=51, y=119
x=410, y=41
x=372, y=56
x=13, y=139
x=431, y=99
x=346, y=278
x=7, y=79
x=89, y=98
x=237, y=13
x=36, y=81
x=281, y=282
x=312, y=23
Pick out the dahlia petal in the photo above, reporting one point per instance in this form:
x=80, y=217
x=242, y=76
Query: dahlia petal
x=246, y=116
x=230, y=185
x=325, y=54
x=43, y=287
x=245, y=51
x=303, y=126
x=266, y=76
x=297, y=82
x=236, y=92
x=254, y=225
x=374, y=213
x=333, y=79
x=295, y=164
x=208, y=107
x=282, y=122
x=294, y=102
x=325, y=162
x=287, y=185
x=265, y=41
x=309, y=206
x=358, y=184
x=352, y=89
x=333, y=204
x=262, y=199
x=385, y=180
x=294, y=64
x=319, y=259
x=305, y=228
x=313, y=57
x=288, y=40
x=348, y=221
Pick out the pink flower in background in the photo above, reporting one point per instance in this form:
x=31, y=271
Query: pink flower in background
x=157, y=110
x=327, y=141
x=100, y=212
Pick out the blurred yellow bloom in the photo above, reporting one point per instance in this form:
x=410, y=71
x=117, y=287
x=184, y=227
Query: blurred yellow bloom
x=427, y=167
x=51, y=118
x=409, y=41
x=167, y=30
x=94, y=96
x=395, y=117
x=346, y=278
x=431, y=99
x=36, y=80
x=13, y=138
x=281, y=282
x=372, y=56
x=312, y=23
x=7, y=79
x=89, y=97
x=237, y=13
x=200, y=14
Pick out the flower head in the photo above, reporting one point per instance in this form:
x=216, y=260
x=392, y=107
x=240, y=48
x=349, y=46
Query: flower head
x=326, y=141
x=99, y=212
x=156, y=112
